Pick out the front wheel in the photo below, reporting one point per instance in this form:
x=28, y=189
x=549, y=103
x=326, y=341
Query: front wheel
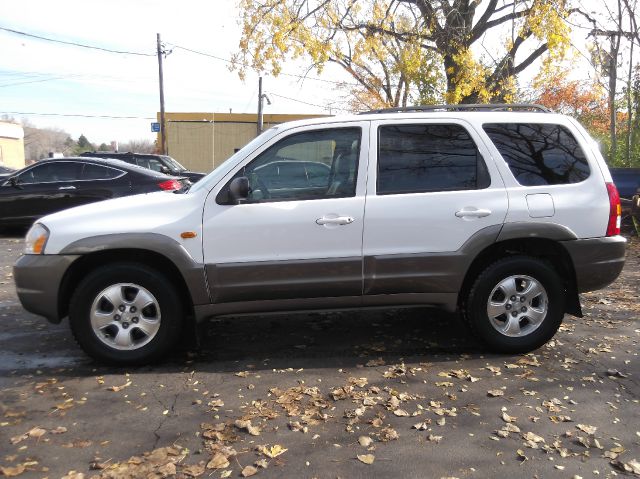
x=125, y=314
x=516, y=304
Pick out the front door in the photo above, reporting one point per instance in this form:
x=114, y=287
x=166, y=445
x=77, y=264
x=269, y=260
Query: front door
x=299, y=234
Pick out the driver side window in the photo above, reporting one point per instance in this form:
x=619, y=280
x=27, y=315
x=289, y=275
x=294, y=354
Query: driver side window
x=305, y=166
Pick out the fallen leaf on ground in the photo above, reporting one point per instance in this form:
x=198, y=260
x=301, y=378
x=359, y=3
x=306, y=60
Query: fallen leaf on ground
x=366, y=458
x=632, y=466
x=193, y=471
x=249, y=471
x=247, y=426
x=421, y=426
x=218, y=461
x=495, y=393
x=12, y=471
x=586, y=428
x=119, y=388
x=507, y=418
x=73, y=475
x=273, y=451
x=365, y=441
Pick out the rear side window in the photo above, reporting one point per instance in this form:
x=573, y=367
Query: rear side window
x=97, y=172
x=426, y=158
x=539, y=154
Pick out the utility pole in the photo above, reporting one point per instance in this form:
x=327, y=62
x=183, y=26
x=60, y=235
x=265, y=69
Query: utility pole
x=163, y=131
x=260, y=98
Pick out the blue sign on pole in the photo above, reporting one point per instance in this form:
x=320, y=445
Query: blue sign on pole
x=155, y=127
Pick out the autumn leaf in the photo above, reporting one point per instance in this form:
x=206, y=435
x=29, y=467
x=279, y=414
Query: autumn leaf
x=246, y=425
x=495, y=393
x=365, y=441
x=249, y=471
x=119, y=388
x=273, y=451
x=12, y=471
x=194, y=470
x=422, y=426
x=586, y=428
x=218, y=461
x=366, y=458
x=507, y=418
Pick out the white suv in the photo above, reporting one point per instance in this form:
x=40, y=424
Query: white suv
x=504, y=213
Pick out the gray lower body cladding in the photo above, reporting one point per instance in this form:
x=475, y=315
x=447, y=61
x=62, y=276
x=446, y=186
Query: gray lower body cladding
x=597, y=261
x=38, y=279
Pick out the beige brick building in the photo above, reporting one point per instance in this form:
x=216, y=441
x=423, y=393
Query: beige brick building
x=11, y=145
x=202, y=141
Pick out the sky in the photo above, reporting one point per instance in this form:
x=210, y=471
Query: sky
x=42, y=77
x=39, y=77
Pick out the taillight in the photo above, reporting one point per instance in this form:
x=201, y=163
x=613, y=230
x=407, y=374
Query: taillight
x=615, y=210
x=170, y=185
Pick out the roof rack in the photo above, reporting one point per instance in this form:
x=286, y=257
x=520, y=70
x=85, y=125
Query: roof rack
x=532, y=107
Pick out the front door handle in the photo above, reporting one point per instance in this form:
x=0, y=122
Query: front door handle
x=335, y=220
x=471, y=212
x=67, y=188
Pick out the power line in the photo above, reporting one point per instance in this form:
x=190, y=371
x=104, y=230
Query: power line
x=298, y=101
x=80, y=115
x=231, y=62
x=92, y=47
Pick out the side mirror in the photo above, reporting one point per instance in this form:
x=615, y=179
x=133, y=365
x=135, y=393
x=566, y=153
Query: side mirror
x=14, y=181
x=239, y=189
x=165, y=170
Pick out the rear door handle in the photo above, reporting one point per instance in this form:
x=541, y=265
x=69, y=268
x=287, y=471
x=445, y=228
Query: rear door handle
x=337, y=220
x=471, y=212
x=67, y=188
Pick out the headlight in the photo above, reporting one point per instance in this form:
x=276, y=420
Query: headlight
x=36, y=239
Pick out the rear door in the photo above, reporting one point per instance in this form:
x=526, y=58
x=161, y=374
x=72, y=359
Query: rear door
x=432, y=187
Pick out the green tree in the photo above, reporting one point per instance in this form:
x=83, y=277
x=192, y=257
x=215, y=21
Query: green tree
x=83, y=142
x=103, y=147
x=388, y=45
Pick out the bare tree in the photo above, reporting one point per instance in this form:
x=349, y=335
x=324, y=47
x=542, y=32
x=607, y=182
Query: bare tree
x=138, y=146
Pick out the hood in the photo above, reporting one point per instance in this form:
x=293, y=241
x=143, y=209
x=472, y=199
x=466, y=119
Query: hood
x=159, y=212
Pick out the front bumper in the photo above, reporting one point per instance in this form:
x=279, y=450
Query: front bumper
x=38, y=279
x=597, y=261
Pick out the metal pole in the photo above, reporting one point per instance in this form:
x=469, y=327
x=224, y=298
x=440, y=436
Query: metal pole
x=163, y=134
x=260, y=100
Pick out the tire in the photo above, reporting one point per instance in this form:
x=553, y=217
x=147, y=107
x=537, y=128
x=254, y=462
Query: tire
x=501, y=282
x=140, y=329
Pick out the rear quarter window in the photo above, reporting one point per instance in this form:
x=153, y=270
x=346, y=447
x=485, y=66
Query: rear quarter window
x=539, y=154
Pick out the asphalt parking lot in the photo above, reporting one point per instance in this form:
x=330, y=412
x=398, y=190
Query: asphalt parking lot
x=369, y=394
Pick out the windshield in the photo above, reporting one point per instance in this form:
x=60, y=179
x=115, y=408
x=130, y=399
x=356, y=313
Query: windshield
x=212, y=178
x=174, y=163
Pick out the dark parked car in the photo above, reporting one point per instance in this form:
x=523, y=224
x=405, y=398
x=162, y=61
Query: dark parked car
x=57, y=184
x=162, y=163
x=627, y=180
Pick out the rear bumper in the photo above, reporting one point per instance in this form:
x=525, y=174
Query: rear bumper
x=597, y=261
x=38, y=279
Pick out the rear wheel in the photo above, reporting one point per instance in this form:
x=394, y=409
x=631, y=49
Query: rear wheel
x=516, y=304
x=126, y=314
